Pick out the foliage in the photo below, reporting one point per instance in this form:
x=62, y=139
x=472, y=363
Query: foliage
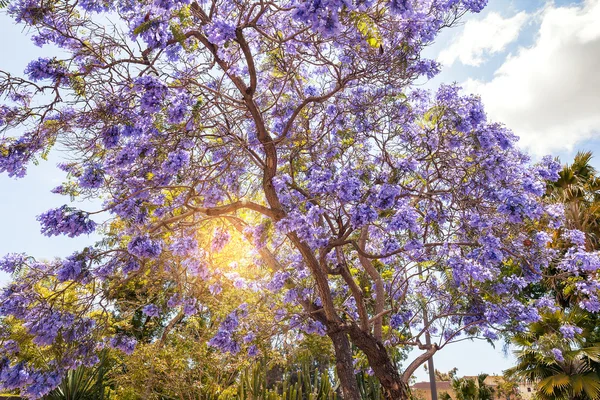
x=268, y=172
x=560, y=367
x=472, y=388
x=578, y=188
x=508, y=388
x=446, y=376
x=299, y=384
x=84, y=383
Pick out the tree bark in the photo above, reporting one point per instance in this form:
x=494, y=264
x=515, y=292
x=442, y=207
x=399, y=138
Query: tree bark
x=394, y=387
x=343, y=365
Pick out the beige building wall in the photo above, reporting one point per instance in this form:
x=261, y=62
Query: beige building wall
x=422, y=389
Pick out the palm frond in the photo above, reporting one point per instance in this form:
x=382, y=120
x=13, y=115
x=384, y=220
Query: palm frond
x=553, y=383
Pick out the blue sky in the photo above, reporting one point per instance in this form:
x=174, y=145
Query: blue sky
x=21, y=200
x=535, y=64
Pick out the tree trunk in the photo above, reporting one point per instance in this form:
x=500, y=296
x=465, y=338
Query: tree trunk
x=344, y=365
x=394, y=388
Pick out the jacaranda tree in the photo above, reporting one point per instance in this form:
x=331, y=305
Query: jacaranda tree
x=386, y=217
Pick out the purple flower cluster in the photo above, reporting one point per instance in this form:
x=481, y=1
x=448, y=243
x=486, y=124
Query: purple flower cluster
x=92, y=177
x=184, y=246
x=66, y=221
x=569, y=331
x=190, y=307
x=144, y=247
x=154, y=93
x=557, y=354
x=73, y=268
x=151, y=310
x=362, y=215
x=223, y=340
x=14, y=157
x=45, y=68
x=175, y=162
x=399, y=320
x=45, y=328
x=32, y=383
x=220, y=239
x=110, y=136
x=220, y=31
x=124, y=343
x=13, y=261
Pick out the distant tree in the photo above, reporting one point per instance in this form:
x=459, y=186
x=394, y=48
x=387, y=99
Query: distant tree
x=446, y=376
x=508, y=388
x=445, y=396
x=472, y=388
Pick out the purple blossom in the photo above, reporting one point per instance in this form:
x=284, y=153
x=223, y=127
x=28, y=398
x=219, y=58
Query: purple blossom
x=73, y=268
x=175, y=162
x=577, y=260
x=45, y=68
x=190, y=307
x=575, y=236
x=154, y=93
x=252, y=351
x=549, y=169
x=224, y=342
x=10, y=347
x=92, y=177
x=130, y=266
x=397, y=321
x=12, y=262
x=95, y=5
x=386, y=198
x=151, y=310
x=215, y=289
x=349, y=189
x=362, y=215
x=220, y=240
x=110, y=136
x=66, y=221
x=400, y=7
x=184, y=246
x=220, y=31
x=174, y=301
x=278, y=281
x=144, y=247
x=475, y=5
x=124, y=343
x=230, y=323
x=569, y=331
x=249, y=337
x=557, y=354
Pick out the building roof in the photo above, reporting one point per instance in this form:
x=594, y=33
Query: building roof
x=440, y=385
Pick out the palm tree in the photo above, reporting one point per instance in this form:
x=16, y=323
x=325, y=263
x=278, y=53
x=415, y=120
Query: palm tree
x=472, y=389
x=445, y=376
x=559, y=368
x=578, y=188
x=508, y=389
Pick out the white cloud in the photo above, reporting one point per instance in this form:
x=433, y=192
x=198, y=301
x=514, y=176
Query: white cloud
x=480, y=38
x=549, y=93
